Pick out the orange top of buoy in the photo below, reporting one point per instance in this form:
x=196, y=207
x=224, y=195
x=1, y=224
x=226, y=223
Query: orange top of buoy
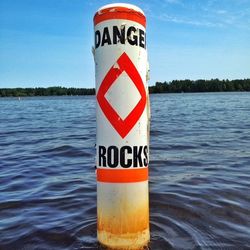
x=120, y=11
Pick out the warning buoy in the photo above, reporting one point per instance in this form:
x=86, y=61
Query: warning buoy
x=122, y=114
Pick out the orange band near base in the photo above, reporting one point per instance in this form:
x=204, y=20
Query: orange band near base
x=122, y=175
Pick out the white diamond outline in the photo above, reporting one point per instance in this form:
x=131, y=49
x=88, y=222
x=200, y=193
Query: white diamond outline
x=115, y=85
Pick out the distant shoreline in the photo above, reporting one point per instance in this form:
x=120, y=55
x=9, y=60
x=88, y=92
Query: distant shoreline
x=175, y=86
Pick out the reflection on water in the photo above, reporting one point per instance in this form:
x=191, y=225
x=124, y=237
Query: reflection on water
x=199, y=172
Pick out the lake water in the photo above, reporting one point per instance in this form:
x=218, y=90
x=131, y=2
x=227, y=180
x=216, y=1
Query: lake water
x=199, y=172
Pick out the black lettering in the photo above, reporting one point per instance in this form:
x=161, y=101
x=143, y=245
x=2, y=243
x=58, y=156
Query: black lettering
x=132, y=39
x=133, y=35
x=113, y=156
x=145, y=160
x=142, y=38
x=123, y=162
x=126, y=156
x=102, y=156
x=106, y=37
x=137, y=152
x=118, y=36
x=97, y=39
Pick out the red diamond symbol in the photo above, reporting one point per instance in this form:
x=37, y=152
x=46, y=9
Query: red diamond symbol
x=122, y=126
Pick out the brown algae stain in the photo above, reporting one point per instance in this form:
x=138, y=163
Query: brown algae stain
x=124, y=222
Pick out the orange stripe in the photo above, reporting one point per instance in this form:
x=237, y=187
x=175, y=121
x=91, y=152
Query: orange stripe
x=120, y=13
x=122, y=175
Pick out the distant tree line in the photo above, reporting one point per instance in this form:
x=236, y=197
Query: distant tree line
x=213, y=85
x=175, y=86
x=51, y=91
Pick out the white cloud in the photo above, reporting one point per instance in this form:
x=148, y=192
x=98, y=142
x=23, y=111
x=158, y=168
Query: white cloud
x=172, y=1
x=221, y=12
x=210, y=13
x=175, y=19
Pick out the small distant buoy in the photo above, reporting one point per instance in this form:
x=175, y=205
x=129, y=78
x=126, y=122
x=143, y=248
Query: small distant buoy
x=122, y=113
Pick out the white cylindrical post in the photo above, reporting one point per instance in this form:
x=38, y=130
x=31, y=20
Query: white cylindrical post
x=122, y=127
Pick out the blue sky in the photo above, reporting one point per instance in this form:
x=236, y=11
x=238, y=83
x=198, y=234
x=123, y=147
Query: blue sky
x=48, y=42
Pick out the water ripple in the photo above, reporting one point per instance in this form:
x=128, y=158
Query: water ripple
x=199, y=172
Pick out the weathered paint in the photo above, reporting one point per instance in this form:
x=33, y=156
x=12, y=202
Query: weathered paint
x=123, y=215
